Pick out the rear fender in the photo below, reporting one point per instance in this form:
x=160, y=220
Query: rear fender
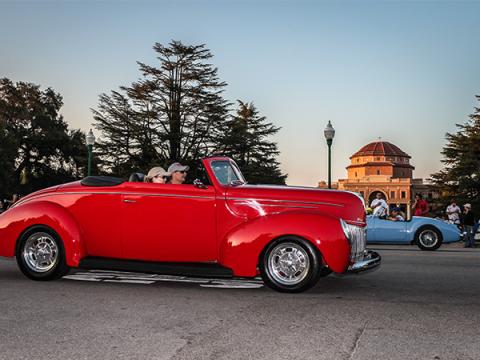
x=241, y=248
x=15, y=221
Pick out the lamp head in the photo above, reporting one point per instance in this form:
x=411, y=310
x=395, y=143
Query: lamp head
x=329, y=132
x=90, y=138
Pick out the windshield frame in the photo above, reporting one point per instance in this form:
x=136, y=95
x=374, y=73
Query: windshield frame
x=234, y=168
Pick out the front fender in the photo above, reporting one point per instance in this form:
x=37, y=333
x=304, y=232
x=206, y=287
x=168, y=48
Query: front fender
x=241, y=248
x=18, y=219
x=450, y=232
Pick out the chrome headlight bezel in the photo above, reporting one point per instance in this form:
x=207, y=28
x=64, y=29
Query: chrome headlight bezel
x=346, y=230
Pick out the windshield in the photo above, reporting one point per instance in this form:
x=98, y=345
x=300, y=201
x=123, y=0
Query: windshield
x=227, y=173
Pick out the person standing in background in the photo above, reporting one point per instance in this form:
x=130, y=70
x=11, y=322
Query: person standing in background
x=9, y=203
x=453, y=212
x=468, y=225
x=420, y=206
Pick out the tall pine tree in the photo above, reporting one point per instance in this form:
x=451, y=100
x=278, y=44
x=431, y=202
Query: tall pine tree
x=37, y=149
x=248, y=141
x=460, y=178
x=174, y=112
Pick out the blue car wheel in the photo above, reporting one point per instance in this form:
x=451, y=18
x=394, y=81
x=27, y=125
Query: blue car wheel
x=428, y=238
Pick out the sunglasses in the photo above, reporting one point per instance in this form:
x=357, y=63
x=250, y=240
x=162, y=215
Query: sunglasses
x=181, y=172
x=160, y=176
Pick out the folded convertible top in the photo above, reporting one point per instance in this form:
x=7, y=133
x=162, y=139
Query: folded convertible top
x=101, y=181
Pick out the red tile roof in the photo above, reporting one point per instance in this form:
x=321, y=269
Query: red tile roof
x=380, y=148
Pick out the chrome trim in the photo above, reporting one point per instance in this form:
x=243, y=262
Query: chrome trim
x=370, y=261
x=353, y=222
x=289, y=206
x=112, y=193
x=346, y=230
x=285, y=201
x=180, y=196
x=249, y=202
x=356, y=236
x=171, y=195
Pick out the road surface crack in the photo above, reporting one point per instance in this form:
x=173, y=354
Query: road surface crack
x=357, y=338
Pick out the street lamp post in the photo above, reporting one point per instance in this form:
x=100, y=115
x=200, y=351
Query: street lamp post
x=329, y=133
x=90, y=138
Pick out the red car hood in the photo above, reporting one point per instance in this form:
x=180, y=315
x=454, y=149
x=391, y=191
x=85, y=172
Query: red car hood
x=343, y=204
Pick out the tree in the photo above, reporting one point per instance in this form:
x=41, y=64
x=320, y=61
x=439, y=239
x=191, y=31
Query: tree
x=174, y=112
x=36, y=147
x=247, y=141
x=461, y=155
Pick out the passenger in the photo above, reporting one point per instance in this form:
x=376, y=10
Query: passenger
x=379, y=206
x=178, y=172
x=157, y=175
x=396, y=215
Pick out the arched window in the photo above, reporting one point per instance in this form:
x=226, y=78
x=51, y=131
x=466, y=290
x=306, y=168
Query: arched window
x=378, y=172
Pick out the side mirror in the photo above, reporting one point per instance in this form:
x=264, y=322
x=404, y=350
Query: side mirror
x=199, y=184
x=236, y=183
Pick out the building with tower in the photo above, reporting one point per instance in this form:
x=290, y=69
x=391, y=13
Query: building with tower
x=383, y=167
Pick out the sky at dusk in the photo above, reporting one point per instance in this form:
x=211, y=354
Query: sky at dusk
x=402, y=71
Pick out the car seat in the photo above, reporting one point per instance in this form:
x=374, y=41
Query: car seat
x=137, y=177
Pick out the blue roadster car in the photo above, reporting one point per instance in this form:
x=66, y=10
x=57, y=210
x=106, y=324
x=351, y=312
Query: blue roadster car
x=427, y=233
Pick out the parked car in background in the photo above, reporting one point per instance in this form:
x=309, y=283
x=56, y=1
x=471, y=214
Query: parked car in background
x=427, y=233
x=220, y=227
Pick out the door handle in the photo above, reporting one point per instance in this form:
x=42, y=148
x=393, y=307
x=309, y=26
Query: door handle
x=129, y=201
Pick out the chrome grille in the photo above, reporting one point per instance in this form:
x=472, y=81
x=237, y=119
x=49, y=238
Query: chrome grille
x=357, y=242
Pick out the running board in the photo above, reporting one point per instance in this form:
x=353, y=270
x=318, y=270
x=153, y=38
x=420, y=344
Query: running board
x=163, y=268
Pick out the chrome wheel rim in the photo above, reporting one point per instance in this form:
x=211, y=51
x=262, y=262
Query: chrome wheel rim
x=428, y=238
x=40, y=252
x=288, y=263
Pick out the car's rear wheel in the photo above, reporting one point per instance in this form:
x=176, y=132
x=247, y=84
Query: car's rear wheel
x=40, y=254
x=290, y=264
x=428, y=238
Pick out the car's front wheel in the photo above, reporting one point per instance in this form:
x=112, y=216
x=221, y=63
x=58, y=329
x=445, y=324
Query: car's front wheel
x=290, y=264
x=428, y=238
x=40, y=254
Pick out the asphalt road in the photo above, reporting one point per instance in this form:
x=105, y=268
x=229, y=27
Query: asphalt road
x=419, y=305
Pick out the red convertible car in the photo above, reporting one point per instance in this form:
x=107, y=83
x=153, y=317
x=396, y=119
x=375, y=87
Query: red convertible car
x=221, y=228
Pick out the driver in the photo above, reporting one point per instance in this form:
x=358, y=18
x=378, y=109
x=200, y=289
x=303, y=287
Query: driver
x=178, y=173
x=396, y=215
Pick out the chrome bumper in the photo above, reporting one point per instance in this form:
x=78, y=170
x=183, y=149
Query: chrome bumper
x=371, y=260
